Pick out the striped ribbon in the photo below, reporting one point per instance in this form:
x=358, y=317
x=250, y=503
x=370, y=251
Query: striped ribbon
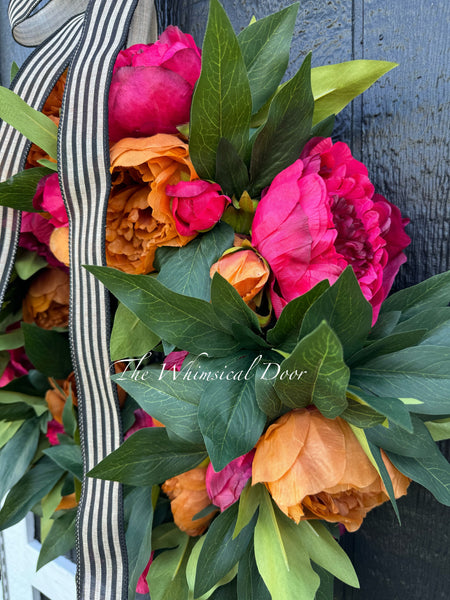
x=89, y=42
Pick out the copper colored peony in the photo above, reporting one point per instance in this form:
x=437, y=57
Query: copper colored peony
x=57, y=395
x=244, y=268
x=139, y=218
x=318, y=216
x=315, y=468
x=188, y=496
x=152, y=86
x=47, y=300
x=196, y=205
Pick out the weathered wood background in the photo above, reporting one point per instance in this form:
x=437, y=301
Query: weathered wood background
x=399, y=129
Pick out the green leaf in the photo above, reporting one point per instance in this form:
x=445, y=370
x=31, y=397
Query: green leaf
x=281, y=559
x=324, y=128
x=14, y=70
x=60, y=539
x=249, y=501
x=229, y=417
x=222, y=102
x=326, y=588
x=266, y=396
x=324, y=550
x=28, y=263
x=393, y=408
x=346, y=310
x=186, y=270
x=169, y=396
x=147, y=458
x=315, y=373
x=361, y=415
x=285, y=334
x=220, y=552
x=422, y=373
x=419, y=443
x=288, y=127
x=16, y=411
x=56, y=363
x=334, y=86
x=18, y=191
x=7, y=430
x=387, y=345
x=431, y=293
x=33, y=486
x=385, y=324
x=33, y=124
x=8, y=396
x=10, y=341
x=382, y=470
x=130, y=336
x=439, y=336
x=250, y=584
x=139, y=510
x=167, y=574
x=427, y=319
x=188, y=323
x=265, y=47
x=439, y=430
x=16, y=455
x=48, y=164
x=432, y=472
x=231, y=170
x=69, y=417
x=230, y=307
x=68, y=457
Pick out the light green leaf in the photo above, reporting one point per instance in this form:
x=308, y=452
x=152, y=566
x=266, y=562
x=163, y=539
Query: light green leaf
x=7, y=430
x=167, y=574
x=334, y=86
x=18, y=191
x=130, y=337
x=265, y=47
x=361, y=436
x=439, y=430
x=33, y=124
x=39, y=405
x=10, y=341
x=186, y=270
x=14, y=70
x=48, y=505
x=222, y=102
x=249, y=501
x=28, y=263
x=48, y=164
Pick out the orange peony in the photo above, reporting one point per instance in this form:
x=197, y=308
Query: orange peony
x=315, y=468
x=47, y=300
x=244, y=268
x=188, y=496
x=139, y=217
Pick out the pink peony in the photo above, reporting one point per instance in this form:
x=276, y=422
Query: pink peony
x=152, y=85
x=174, y=360
x=142, y=420
x=53, y=428
x=196, y=206
x=18, y=366
x=48, y=198
x=320, y=215
x=225, y=487
x=142, y=585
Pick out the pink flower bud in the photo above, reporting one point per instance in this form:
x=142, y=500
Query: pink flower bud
x=225, y=487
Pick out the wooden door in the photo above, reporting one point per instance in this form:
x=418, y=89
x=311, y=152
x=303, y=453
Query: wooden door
x=399, y=129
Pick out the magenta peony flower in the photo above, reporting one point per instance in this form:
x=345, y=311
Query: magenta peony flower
x=152, y=85
x=196, y=206
x=320, y=215
x=174, y=360
x=142, y=420
x=225, y=487
x=53, y=428
x=142, y=585
x=18, y=365
x=48, y=198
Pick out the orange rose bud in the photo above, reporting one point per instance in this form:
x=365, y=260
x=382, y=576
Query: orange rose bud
x=188, y=496
x=245, y=270
x=56, y=397
x=69, y=501
x=315, y=468
x=139, y=217
x=47, y=300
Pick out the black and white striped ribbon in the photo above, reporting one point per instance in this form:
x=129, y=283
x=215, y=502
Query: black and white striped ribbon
x=90, y=43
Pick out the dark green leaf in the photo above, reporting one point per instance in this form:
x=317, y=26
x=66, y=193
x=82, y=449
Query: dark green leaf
x=139, y=506
x=229, y=417
x=33, y=486
x=266, y=396
x=346, y=311
x=395, y=439
x=288, y=127
x=130, y=337
x=361, y=415
x=385, y=324
x=229, y=306
x=228, y=591
x=188, y=323
x=18, y=191
x=439, y=336
x=250, y=584
x=148, y=457
x=284, y=335
x=265, y=47
x=425, y=319
x=16, y=411
x=231, y=171
x=56, y=363
x=220, y=552
x=432, y=472
x=186, y=270
x=8, y=395
x=60, y=539
x=68, y=457
x=28, y=263
x=387, y=345
x=324, y=128
x=334, y=86
x=315, y=373
x=222, y=102
x=171, y=397
x=392, y=408
x=16, y=455
x=376, y=453
x=431, y=293
x=422, y=373
x=69, y=418
x=33, y=124
x=10, y=341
